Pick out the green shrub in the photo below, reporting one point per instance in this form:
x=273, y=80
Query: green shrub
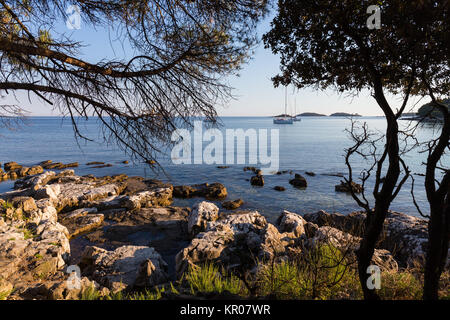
x=4, y=294
x=324, y=272
x=208, y=278
x=154, y=294
x=444, y=286
x=400, y=286
x=320, y=273
x=7, y=205
x=91, y=293
x=283, y=280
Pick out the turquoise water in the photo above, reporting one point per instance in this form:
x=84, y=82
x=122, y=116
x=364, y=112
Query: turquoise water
x=314, y=144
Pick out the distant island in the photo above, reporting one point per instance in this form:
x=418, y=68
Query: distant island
x=409, y=114
x=343, y=114
x=427, y=112
x=311, y=114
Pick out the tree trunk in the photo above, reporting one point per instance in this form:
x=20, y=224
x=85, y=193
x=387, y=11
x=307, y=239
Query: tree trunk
x=438, y=225
x=374, y=226
x=438, y=238
x=375, y=220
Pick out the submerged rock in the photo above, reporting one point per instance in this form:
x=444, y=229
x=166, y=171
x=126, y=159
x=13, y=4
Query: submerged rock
x=10, y=166
x=103, y=166
x=94, y=163
x=346, y=187
x=184, y=192
x=332, y=174
x=209, y=191
x=26, y=171
x=214, y=191
x=257, y=180
x=51, y=165
x=233, y=205
x=69, y=165
x=299, y=181
x=154, y=183
x=58, y=165
x=16, y=171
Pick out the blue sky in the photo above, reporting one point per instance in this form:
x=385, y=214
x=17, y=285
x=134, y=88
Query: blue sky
x=254, y=92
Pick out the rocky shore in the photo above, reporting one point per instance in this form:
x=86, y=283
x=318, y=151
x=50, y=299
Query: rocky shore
x=124, y=234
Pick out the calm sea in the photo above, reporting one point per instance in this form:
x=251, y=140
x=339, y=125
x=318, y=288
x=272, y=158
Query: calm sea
x=314, y=144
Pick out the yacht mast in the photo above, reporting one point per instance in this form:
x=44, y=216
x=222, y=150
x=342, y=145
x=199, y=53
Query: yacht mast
x=285, y=101
x=295, y=107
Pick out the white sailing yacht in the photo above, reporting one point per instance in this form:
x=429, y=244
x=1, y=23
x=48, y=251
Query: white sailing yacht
x=284, y=119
